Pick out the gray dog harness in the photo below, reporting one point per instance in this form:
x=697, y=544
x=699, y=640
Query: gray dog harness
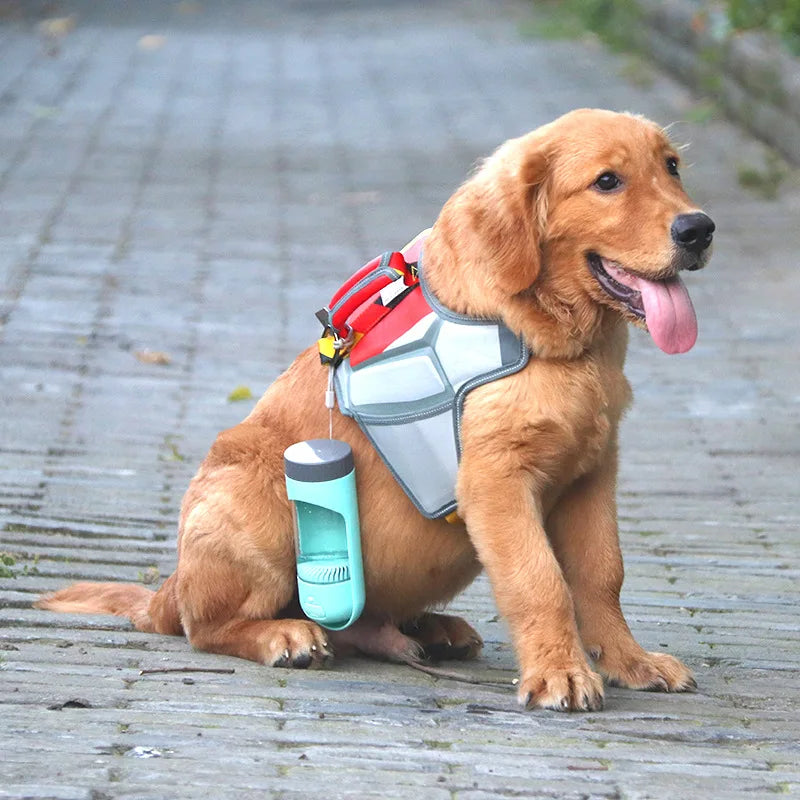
x=406, y=376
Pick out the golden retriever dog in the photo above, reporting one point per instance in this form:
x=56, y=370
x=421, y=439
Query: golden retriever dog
x=565, y=234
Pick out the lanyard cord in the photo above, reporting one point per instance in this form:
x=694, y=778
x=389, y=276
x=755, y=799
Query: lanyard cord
x=329, y=400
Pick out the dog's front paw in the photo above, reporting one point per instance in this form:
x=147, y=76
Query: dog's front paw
x=654, y=672
x=297, y=643
x=570, y=686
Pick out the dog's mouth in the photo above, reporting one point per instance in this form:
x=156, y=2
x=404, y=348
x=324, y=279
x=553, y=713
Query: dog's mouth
x=664, y=306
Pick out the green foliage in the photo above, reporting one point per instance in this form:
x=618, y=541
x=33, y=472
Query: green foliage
x=7, y=561
x=616, y=21
x=779, y=16
x=10, y=566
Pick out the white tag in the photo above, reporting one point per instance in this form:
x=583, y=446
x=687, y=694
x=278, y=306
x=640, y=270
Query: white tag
x=392, y=290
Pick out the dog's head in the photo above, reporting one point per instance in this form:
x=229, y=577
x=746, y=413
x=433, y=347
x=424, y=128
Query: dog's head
x=584, y=215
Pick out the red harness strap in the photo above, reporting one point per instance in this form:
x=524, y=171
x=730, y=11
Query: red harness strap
x=387, y=329
x=363, y=301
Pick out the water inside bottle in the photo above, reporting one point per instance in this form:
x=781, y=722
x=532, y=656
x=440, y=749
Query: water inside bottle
x=327, y=540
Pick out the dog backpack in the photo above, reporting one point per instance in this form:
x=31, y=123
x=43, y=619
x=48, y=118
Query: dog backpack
x=404, y=364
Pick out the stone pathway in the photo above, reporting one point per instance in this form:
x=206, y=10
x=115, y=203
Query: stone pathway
x=199, y=193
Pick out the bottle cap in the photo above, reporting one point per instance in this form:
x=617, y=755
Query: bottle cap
x=318, y=460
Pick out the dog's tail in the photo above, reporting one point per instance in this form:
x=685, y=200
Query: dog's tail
x=149, y=611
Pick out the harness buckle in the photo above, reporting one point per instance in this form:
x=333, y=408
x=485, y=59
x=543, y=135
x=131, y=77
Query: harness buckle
x=332, y=346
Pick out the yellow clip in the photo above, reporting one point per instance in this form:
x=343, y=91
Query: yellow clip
x=333, y=350
x=327, y=351
x=453, y=518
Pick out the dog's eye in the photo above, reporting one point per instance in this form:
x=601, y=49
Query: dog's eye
x=672, y=166
x=608, y=181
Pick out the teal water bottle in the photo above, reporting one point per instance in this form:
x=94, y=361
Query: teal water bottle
x=321, y=483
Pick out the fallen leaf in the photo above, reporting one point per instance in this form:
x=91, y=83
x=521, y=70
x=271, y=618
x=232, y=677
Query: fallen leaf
x=361, y=198
x=151, y=41
x=189, y=7
x=150, y=575
x=699, y=21
x=55, y=27
x=152, y=357
x=240, y=393
x=44, y=112
x=52, y=31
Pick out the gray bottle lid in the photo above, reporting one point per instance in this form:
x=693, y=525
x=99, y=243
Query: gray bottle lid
x=318, y=460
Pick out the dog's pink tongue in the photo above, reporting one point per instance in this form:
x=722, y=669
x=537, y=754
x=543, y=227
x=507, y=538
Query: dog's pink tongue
x=671, y=320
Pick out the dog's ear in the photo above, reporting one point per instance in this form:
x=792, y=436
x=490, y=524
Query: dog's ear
x=503, y=209
x=490, y=230
x=521, y=215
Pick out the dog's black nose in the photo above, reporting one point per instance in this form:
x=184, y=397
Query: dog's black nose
x=693, y=232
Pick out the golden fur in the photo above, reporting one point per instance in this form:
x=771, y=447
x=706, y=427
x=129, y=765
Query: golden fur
x=537, y=481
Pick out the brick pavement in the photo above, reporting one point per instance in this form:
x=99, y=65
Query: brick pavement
x=277, y=146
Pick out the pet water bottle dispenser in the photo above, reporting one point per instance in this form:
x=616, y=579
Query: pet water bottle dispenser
x=321, y=483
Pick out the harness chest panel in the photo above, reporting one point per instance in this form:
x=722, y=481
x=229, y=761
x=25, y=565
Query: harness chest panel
x=406, y=379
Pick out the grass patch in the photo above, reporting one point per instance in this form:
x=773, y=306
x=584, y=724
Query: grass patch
x=616, y=22
x=171, y=452
x=444, y=702
x=150, y=575
x=553, y=21
x=703, y=112
x=637, y=71
x=764, y=181
x=10, y=566
x=435, y=744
